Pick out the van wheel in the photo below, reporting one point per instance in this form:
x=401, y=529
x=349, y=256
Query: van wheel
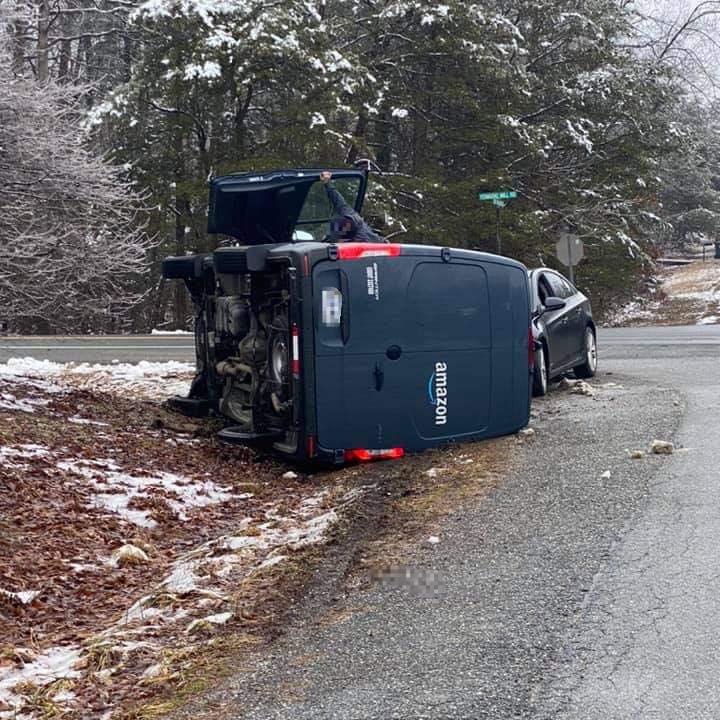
x=540, y=374
x=181, y=268
x=230, y=260
x=588, y=368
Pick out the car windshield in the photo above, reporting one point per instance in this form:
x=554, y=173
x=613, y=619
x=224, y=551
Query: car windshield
x=317, y=211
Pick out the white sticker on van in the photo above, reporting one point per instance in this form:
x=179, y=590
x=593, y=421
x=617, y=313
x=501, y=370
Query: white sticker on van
x=373, y=284
x=438, y=392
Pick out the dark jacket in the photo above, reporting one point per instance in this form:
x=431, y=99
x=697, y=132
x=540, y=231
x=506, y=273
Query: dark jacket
x=363, y=232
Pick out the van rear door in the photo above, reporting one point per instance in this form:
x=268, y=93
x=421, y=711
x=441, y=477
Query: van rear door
x=405, y=351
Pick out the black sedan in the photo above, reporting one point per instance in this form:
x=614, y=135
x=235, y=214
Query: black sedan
x=564, y=331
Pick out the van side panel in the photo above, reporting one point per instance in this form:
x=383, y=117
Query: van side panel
x=423, y=352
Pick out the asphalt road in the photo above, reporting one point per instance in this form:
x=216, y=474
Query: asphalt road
x=585, y=586
x=99, y=348
x=134, y=348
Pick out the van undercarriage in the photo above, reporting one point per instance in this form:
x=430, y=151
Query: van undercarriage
x=243, y=351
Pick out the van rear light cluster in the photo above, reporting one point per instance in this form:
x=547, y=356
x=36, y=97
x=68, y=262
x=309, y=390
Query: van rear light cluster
x=295, y=364
x=363, y=455
x=354, y=251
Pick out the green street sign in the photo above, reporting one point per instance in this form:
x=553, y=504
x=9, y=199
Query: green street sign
x=500, y=195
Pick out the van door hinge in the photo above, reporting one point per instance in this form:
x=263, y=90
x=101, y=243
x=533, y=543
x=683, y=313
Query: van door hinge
x=379, y=376
x=445, y=254
x=333, y=252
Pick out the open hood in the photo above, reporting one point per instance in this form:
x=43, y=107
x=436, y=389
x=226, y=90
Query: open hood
x=278, y=206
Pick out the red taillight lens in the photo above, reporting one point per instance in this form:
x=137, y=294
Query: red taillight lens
x=295, y=364
x=311, y=446
x=363, y=455
x=353, y=251
x=531, y=349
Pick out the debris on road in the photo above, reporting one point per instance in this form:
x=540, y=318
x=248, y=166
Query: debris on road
x=637, y=455
x=129, y=555
x=606, y=475
x=661, y=447
x=527, y=432
x=290, y=475
x=433, y=540
x=577, y=387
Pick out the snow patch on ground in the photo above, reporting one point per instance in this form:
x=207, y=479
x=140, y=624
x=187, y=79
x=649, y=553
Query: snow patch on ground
x=116, y=490
x=691, y=294
x=149, y=380
x=54, y=664
x=218, y=567
x=12, y=455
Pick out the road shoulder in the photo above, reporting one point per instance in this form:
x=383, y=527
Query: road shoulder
x=474, y=625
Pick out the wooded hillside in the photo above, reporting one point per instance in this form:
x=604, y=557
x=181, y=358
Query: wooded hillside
x=600, y=116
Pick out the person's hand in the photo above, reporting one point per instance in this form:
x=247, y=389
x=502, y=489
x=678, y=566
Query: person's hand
x=325, y=177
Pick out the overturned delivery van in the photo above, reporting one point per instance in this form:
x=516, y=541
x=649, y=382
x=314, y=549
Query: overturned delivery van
x=348, y=351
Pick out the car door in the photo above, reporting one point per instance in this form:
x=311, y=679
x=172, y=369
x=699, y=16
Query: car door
x=555, y=323
x=575, y=314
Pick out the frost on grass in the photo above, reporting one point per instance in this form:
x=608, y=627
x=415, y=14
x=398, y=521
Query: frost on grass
x=38, y=670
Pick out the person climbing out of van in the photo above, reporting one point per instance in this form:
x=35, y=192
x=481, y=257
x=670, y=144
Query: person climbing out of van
x=347, y=225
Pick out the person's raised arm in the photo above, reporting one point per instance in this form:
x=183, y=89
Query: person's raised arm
x=336, y=199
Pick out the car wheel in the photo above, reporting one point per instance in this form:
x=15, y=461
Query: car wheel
x=181, y=268
x=588, y=367
x=540, y=374
x=230, y=260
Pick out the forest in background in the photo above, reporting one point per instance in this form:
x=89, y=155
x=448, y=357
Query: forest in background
x=114, y=113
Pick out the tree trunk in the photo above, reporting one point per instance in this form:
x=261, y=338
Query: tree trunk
x=43, y=73
x=358, y=143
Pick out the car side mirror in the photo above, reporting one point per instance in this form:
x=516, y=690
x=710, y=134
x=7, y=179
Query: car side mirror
x=554, y=303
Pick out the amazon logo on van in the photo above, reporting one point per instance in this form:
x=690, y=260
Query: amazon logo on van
x=438, y=392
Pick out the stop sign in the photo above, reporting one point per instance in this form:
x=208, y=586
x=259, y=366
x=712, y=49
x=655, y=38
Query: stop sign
x=569, y=249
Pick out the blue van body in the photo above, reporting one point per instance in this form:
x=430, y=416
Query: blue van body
x=328, y=351
x=437, y=349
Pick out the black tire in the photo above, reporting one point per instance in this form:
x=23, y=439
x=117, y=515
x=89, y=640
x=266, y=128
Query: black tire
x=540, y=373
x=182, y=268
x=588, y=368
x=230, y=260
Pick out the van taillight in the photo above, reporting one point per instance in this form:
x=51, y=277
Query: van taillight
x=295, y=365
x=311, y=446
x=531, y=349
x=363, y=455
x=353, y=251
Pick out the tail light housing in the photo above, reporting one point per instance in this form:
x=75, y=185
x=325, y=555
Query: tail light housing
x=295, y=363
x=355, y=251
x=365, y=455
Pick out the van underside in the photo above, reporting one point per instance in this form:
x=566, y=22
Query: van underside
x=243, y=347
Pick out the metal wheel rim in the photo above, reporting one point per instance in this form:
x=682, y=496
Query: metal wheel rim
x=591, y=350
x=542, y=369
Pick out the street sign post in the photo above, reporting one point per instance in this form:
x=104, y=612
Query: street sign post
x=499, y=200
x=569, y=251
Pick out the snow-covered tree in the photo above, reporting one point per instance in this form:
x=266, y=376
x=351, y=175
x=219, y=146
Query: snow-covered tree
x=72, y=246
